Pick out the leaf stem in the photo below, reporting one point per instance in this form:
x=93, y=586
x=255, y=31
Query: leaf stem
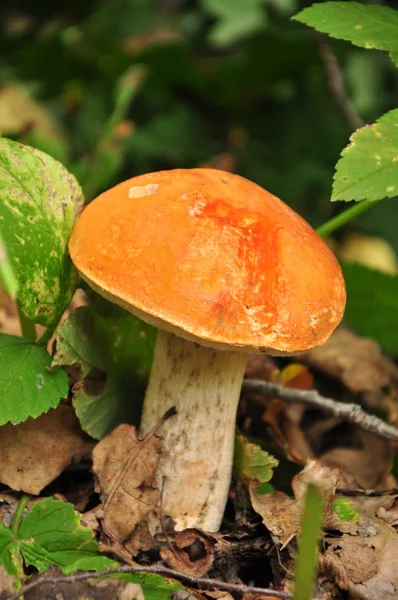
x=18, y=513
x=27, y=326
x=45, y=336
x=345, y=217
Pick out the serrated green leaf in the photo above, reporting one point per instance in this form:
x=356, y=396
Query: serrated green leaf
x=345, y=509
x=39, y=202
x=368, y=167
x=154, y=587
x=8, y=557
x=251, y=462
x=104, y=336
x=233, y=22
x=51, y=534
x=372, y=304
x=28, y=387
x=365, y=25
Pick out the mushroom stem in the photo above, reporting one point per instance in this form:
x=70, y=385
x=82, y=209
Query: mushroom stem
x=197, y=449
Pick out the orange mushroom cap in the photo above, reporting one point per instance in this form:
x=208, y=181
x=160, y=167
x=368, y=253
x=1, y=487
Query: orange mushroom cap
x=211, y=257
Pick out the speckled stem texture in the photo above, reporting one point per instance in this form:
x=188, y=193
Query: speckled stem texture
x=197, y=450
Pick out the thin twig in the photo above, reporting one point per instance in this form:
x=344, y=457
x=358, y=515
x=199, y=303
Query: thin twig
x=337, y=87
x=159, y=570
x=368, y=493
x=353, y=413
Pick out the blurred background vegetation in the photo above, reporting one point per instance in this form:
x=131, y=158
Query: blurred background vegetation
x=115, y=88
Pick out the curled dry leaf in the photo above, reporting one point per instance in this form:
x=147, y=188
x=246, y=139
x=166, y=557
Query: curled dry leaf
x=366, y=458
x=387, y=510
x=281, y=514
x=124, y=467
x=367, y=564
x=35, y=452
x=192, y=553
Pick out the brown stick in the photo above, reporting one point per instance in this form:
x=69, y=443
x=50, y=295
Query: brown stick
x=353, y=413
x=368, y=493
x=160, y=570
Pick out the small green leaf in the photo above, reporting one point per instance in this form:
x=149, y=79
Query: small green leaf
x=106, y=337
x=365, y=25
x=233, y=22
x=40, y=201
x=344, y=508
x=154, y=587
x=368, y=167
x=372, y=304
x=51, y=534
x=251, y=462
x=28, y=387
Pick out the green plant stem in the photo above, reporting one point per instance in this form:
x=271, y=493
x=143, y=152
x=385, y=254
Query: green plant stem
x=45, y=336
x=27, y=326
x=306, y=562
x=18, y=513
x=7, y=276
x=345, y=217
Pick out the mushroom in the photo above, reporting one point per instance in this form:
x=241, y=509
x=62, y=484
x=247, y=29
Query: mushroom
x=222, y=268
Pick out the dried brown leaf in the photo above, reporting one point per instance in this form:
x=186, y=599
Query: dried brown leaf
x=366, y=566
x=125, y=466
x=357, y=362
x=280, y=514
x=35, y=452
x=181, y=555
x=369, y=461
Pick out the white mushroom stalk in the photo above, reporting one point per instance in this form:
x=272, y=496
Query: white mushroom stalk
x=195, y=467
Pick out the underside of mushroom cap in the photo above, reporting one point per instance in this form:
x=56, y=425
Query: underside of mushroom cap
x=213, y=258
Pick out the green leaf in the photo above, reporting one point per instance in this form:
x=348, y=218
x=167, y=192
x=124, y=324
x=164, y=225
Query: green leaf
x=368, y=167
x=51, y=534
x=251, y=462
x=106, y=337
x=233, y=22
x=27, y=386
x=154, y=587
x=372, y=304
x=40, y=201
x=365, y=25
x=345, y=509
